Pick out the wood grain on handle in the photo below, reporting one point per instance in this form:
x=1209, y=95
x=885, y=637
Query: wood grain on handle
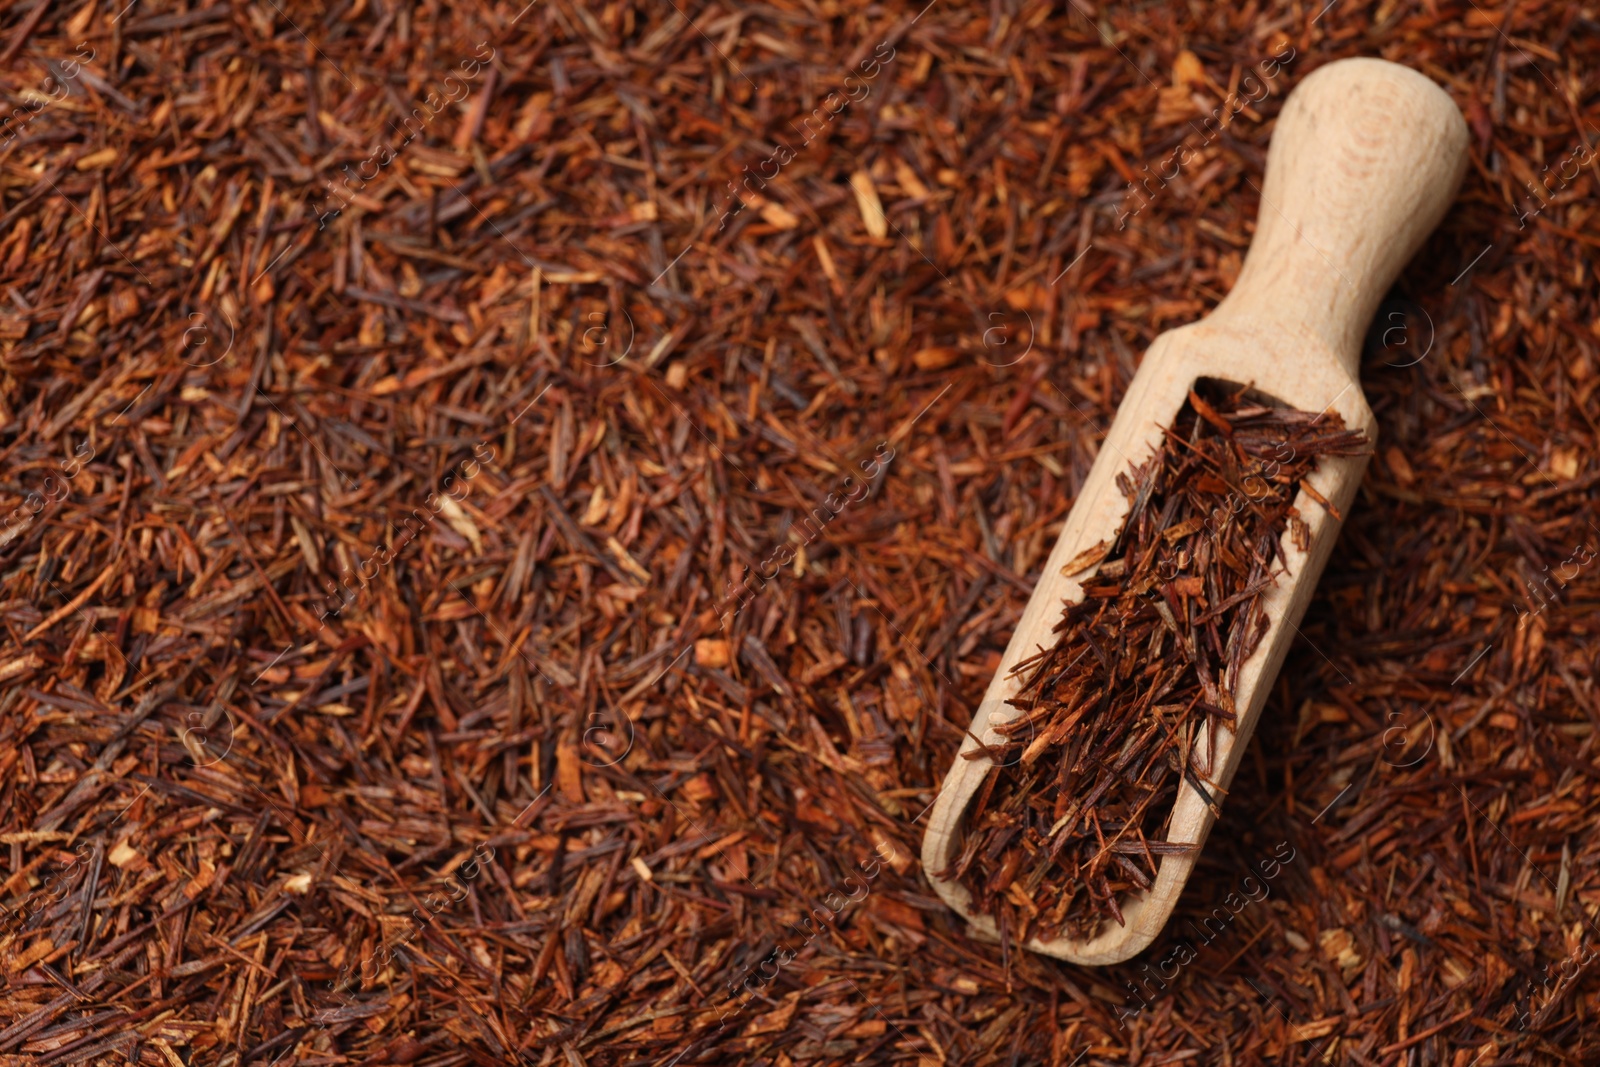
x=1365, y=159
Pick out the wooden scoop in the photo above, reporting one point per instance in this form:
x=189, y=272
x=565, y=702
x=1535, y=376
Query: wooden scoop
x=1366, y=157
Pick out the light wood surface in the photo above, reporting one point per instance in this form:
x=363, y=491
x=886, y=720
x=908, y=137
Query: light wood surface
x=1365, y=159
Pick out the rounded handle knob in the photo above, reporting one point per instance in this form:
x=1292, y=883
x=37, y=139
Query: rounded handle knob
x=1365, y=159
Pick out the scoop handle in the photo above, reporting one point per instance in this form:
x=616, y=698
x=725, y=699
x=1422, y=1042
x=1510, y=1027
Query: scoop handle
x=1365, y=159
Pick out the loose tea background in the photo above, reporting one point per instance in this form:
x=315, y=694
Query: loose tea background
x=807, y=317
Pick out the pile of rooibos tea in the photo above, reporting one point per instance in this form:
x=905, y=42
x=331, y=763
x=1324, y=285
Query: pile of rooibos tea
x=1076, y=809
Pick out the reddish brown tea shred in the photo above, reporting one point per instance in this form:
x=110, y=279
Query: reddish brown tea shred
x=1074, y=814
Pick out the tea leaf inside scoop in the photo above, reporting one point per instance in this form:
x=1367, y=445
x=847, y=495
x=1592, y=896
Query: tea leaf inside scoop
x=1075, y=812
